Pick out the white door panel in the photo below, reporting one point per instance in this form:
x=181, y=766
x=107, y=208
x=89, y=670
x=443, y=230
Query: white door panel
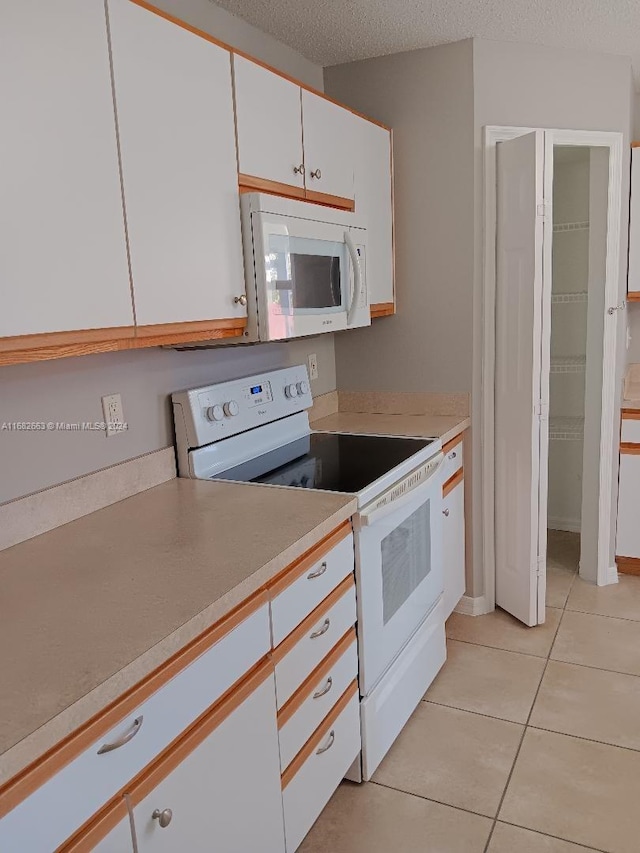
x=328, y=146
x=520, y=340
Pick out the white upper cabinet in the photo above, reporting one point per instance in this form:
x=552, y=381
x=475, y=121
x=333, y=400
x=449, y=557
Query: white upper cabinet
x=175, y=118
x=269, y=124
x=63, y=262
x=634, y=224
x=328, y=146
x=373, y=198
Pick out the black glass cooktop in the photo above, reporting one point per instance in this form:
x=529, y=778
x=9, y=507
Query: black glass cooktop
x=335, y=462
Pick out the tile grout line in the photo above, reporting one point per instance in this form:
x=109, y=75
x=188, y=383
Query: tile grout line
x=429, y=799
x=526, y=725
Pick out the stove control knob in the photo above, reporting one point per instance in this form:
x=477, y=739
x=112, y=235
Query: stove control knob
x=290, y=391
x=215, y=413
x=231, y=409
x=303, y=387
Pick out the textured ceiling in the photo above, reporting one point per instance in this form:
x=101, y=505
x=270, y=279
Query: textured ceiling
x=330, y=32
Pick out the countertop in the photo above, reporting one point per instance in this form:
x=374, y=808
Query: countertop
x=89, y=609
x=444, y=427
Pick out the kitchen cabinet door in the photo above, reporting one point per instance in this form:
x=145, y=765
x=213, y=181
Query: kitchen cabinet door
x=328, y=147
x=175, y=119
x=628, y=542
x=268, y=125
x=453, y=548
x=373, y=198
x=224, y=796
x=63, y=262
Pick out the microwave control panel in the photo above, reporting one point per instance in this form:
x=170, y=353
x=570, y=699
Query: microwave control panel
x=214, y=412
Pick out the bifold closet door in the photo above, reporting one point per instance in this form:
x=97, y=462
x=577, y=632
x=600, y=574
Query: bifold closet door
x=521, y=403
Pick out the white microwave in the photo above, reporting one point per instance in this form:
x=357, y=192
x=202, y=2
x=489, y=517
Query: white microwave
x=306, y=268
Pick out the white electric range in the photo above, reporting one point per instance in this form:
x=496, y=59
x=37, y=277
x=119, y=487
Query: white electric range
x=256, y=429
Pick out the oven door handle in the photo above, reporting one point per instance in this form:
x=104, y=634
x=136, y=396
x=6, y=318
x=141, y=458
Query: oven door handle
x=357, y=276
x=377, y=513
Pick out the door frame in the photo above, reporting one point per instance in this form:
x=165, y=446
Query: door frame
x=614, y=141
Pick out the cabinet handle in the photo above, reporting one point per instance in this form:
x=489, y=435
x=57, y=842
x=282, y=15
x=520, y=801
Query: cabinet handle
x=163, y=817
x=318, y=572
x=325, y=689
x=446, y=512
x=452, y=455
x=131, y=732
x=316, y=174
x=321, y=631
x=299, y=170
x=328, y=745
x=240, y=300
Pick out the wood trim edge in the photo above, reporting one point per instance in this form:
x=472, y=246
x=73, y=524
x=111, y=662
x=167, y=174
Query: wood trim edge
x=307, y=750
x=321, y=671
x=291, y=574
x=633, y=295
x=99, y=824
x=329, y=200
x=631, y=414
x=250, y=183
x=452, y=482
x=38, y=772
x=628, y=565
x=283, y=649
x=20, y=343
x=627, y=448
x=382, y=309
x=454, y=442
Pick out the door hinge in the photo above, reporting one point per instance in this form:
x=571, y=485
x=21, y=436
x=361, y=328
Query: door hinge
x=543, y=209
x=541, y=410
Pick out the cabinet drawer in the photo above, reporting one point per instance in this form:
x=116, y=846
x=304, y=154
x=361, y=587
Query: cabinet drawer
x=303, y=650
x=302, y=595
x=628, y=542
x=311, y=703
x=326, y=759
x=631, y=430
x=453, y=457
x=83, y=786
x=453, y=548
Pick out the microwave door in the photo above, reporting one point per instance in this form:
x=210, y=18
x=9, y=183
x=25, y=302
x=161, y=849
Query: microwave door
x=358, y=313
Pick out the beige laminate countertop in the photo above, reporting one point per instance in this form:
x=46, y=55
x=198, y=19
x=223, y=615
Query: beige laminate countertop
x=631, y=405
x=92, y=607
x=444, y=427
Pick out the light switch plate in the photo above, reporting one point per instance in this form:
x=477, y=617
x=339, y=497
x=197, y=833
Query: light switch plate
x=313, y=366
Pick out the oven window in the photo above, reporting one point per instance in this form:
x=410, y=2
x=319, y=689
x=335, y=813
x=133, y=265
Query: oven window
x=305, y=275
x=406, y=559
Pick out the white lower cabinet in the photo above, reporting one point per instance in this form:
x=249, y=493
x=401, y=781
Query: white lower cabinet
x=223, y=797
x=628, y=542
x=453, y=548
x=306, y=793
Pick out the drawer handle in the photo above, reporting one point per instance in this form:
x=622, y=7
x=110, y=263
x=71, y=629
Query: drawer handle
x=321, y=631
x=446, y=513
x=452, y=455
x=329, y=743
x=131, y=732
x=325, y=689
x=163, y=817
x=318, y=572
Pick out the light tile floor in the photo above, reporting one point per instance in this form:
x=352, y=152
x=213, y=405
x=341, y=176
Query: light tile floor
x=528, y=741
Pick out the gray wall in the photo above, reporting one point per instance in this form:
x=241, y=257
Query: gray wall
x=633, y=355
x=69, y=390
x=426, y=96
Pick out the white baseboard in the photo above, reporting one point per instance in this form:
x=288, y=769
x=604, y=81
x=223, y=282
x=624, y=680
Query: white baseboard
x=469, y=606
x=571, y=525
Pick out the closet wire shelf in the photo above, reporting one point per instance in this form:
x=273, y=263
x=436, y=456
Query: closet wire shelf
x=566, y=429
x=569, y=364
x=561, y=227
x=565, y=298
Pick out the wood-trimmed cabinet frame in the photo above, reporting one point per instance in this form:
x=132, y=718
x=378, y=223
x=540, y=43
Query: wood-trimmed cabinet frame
x=68, y=343
x=629, y=565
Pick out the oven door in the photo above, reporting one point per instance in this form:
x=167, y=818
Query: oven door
x=309, y=276
x=399, y=568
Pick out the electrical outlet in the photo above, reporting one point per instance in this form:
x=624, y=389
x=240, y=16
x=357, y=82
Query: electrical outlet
x=313, y=366
x=113, y=414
